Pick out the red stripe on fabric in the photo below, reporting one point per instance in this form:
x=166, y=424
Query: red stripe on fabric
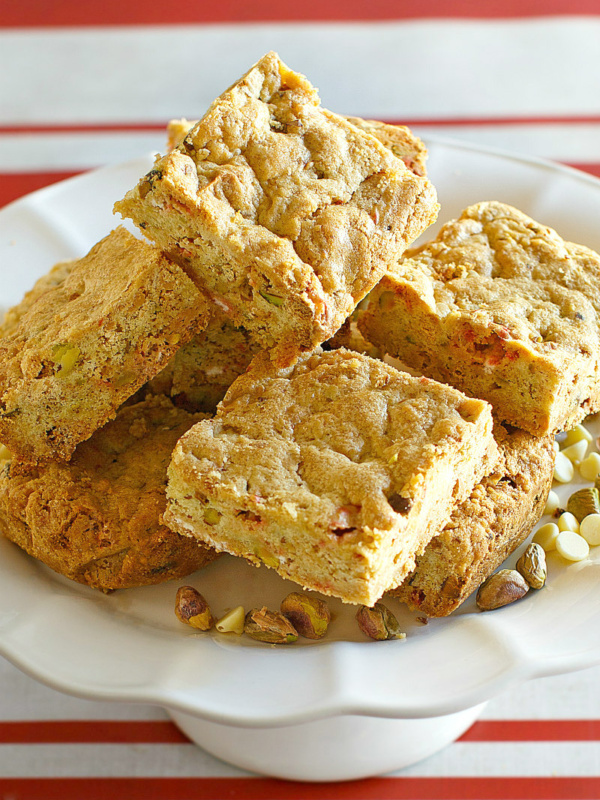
x=533, y=730
x=85, y=127
x=91, y=732
x=542, y=788
x=42, y=13
x=164, y=732
x=15, y=185
x=125, y=127
x=593, y=169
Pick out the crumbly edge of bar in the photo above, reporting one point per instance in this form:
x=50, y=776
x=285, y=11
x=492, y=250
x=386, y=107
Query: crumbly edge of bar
x=497, y=517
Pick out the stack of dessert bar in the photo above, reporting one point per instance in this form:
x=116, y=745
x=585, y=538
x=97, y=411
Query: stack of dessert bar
x=228, y=345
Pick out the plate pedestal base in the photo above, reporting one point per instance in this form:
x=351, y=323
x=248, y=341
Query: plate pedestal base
x=334, y=749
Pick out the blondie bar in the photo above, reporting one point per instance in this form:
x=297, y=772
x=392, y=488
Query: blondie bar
x=335, y=472
x=96, y=519
x=200, y=373
x=86, y=338
x=502, y=308
x=285, y=212
x=486, y=528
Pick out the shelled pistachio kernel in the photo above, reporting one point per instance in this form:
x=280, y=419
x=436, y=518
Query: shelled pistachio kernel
x=269, y=626
x=584, y=502
x=576, y=434
x=552, y=503
x=192, y=609
x=568, y=522
x=547, y=535
x=590, y=467
x=211, y=516
x=590, y=529
x=572, y=546
x=500, y=589
x=563, y=469
x=379, y=623
x=576, y=452
x=309, y=615
x=232, y=621
x=532, y=565
x=65, y=357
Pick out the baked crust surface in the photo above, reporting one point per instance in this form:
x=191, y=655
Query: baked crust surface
x=502, y=308
x=285, y=212
x=335, y=472
x=96, y=519
x=484, y=530
x=86, y=337
x=397, y=138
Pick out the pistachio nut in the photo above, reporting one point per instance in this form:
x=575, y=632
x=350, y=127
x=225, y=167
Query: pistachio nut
x=532, y=565
x=309, y=615
x=211, y=516
x=501, y=588
x=378, y=622
x=273, y=299
x=192, y=609
x=269, y=626
x=583, y=502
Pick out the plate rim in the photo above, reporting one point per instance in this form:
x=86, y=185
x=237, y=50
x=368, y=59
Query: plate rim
x=346, y=700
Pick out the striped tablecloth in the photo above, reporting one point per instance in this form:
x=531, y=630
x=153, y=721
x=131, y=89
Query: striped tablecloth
x=84, y=84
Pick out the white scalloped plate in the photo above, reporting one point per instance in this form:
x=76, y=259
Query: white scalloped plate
x=129, y=646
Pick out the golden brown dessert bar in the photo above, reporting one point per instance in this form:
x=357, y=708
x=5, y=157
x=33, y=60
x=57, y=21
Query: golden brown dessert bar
x=334, y=472
x=285, y=212
x=498, y=516
x=502, y=308
x=86, y=338
x=96, y=519
x=397, y=138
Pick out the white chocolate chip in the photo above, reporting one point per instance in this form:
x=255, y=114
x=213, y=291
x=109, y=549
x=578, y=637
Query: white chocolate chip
x=546, y=536
x=576, y=452
x=232, y=622
x=590, y=529
x=563, y=469
x=572, y=546
x=556, y=446
x=577, y=434
x=590, y=467
x=552, y=503
x=568, y=522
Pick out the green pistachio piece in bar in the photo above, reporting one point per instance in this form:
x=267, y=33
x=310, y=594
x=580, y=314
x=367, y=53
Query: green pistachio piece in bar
x=273, y=299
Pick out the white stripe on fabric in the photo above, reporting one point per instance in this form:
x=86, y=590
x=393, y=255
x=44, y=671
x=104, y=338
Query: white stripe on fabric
x=418, y=69
x=494, y=759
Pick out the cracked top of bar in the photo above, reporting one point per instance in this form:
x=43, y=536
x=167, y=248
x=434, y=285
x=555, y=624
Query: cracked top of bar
x=285, y=212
